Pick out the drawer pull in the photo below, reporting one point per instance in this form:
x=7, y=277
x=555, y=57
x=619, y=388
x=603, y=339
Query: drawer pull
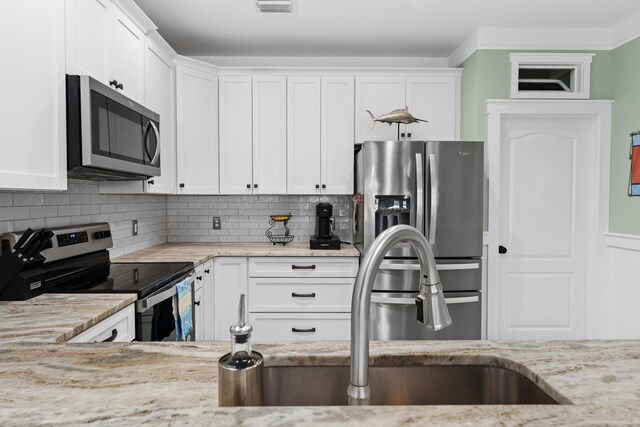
x=303, y=267
x=303, y=329
x=296, y=295
x=114, y=335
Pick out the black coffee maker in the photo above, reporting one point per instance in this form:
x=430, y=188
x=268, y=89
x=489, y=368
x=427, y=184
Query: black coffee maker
x=324, y=238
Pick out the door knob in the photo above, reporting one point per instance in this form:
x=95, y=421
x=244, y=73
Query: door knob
x=502, y=249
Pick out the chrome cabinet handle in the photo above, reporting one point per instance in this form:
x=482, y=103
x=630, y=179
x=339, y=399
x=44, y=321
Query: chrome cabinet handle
x=114, y=335
x=296, y=295
x=435, y=197
x=419, y=206
x=303, y=329
x=303, y=267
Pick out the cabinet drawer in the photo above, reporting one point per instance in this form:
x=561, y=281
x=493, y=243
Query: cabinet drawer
x=300, y=326
x=303, y=267
x=119, y=327
x=300, y=294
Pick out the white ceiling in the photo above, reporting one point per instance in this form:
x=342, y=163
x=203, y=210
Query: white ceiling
x=363, y=28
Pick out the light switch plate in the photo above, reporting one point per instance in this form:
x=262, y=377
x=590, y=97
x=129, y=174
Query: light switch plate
x=134, y=230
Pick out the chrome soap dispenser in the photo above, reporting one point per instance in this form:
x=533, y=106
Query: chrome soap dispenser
x=240, y=372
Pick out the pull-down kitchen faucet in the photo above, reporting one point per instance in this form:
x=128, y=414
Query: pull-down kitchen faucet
x=432, y=309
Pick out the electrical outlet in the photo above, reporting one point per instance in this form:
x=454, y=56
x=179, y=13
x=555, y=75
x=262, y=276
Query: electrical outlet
x=217, y=223
x=134, y=230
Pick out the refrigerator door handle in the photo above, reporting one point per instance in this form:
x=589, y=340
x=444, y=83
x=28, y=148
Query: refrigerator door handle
x=386, y=265
x=412, y=301
x=419, y=205
x=435, y=197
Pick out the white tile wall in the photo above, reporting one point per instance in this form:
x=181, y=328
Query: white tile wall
x=246, y=218
x=82, y=204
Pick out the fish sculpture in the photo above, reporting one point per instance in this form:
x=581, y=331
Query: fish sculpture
x=396, y=116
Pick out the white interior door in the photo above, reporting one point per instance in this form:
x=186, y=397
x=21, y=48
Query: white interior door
x=544, y=199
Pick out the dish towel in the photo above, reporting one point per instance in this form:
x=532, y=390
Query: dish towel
x=183, y=310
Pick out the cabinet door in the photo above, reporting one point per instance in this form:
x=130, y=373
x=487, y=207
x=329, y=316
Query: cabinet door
x=159, y=97
x=303, y=135
x=125, y=54
x=235, y=135
x=86, y=30
x=434, y=99
x=33, y=132
x=208, y=302
x=380, y=95
x=230, y=280
x=197, y=144
x=269, y=135
x=337, y=135
x=198, y=314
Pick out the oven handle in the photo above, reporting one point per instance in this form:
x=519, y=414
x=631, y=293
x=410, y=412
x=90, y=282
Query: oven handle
x=159, y=296
x=385, y=265
x=412, y=301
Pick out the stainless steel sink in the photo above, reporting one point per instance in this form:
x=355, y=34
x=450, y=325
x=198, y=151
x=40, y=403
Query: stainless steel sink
x=402, y=385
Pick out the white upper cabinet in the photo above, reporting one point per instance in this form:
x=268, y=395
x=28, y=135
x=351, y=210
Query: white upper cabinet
x=105, y=44
x=269, y=135
x=337, y=135
x=320, y=135
x=126, y=55
x=433, y=96
x=235, y=135
x=159, y=96
x=303, y=135
x=33, y=132
x=434, y=99
x=379, y=95
x=197, y=126
x=87, y=29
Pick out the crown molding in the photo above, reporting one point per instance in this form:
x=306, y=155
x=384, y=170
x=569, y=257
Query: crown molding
x=626, y=31
x=493, y=38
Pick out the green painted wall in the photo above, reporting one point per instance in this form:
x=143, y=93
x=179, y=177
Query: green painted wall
x=624, y=211
x=487, y=75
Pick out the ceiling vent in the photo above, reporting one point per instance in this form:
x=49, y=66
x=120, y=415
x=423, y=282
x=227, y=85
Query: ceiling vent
x=278, y=6
x=550, y=75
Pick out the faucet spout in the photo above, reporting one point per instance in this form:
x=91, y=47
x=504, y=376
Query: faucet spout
x=431, y=307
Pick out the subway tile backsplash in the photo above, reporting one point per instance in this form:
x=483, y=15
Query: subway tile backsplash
x=82, y=204
x=246, y=218
x=168, y=218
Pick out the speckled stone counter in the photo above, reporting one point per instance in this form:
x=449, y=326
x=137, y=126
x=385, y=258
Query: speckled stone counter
x=56, y=317
x=201, y=252
x=176, y=383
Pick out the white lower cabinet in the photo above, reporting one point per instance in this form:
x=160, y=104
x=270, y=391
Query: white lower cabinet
x=203, y=302
x=119, y=327
x=301, y=298
x=300, y=326
x=229, y=280
x=288, y=298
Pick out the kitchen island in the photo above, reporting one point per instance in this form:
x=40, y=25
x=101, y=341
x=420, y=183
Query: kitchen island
x=44, y=382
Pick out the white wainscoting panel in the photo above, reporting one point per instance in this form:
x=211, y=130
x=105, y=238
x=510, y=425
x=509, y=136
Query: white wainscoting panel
x=623, y=302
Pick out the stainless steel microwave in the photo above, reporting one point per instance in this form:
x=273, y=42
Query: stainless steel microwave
x=109, y=136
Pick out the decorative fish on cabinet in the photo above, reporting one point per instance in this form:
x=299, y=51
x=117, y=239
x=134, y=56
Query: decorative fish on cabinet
x=396, y=116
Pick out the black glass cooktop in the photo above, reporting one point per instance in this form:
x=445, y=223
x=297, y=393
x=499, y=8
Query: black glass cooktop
x=142, y=279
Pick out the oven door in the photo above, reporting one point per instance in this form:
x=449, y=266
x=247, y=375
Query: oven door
x=154, y=314
x=393, y=317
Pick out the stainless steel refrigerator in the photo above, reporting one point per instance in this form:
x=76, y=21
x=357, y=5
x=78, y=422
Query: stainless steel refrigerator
x=435, y=186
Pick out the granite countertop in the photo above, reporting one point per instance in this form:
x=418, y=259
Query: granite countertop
x=54, y=318
x=201, y=252
x=176, y=383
